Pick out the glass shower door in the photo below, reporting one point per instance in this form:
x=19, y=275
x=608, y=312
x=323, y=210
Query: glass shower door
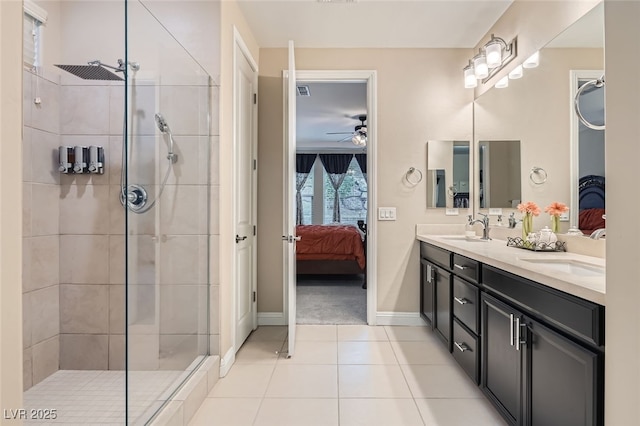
x=166, y=187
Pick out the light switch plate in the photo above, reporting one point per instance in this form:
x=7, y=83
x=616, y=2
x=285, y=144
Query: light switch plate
x=452, y=212
x=386, y=213
x=495, y=212
x=564, y=217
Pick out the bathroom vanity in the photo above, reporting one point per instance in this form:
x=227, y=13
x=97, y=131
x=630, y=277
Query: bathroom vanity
x=527, y=327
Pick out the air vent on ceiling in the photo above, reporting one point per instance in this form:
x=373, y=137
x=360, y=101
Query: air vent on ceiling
x=303, y=91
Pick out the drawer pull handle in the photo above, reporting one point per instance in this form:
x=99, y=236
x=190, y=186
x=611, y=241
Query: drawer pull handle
x=461, y=346
x=460, y=266
x=462, y=301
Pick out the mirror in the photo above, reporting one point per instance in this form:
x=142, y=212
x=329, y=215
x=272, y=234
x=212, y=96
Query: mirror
x=448, y=174
x=499, y=174
x=538, y=111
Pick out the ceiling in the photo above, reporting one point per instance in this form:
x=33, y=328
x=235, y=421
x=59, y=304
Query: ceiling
x=332, y=107
x=372, y=23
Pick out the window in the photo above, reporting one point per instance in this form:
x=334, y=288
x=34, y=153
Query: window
x=353, y=196
x=318, y=195
x=33, y=19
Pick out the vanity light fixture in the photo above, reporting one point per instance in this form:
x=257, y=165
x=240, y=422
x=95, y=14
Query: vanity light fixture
x=491, y=58
x=470, y=80
x=516, y=73
x=502, y=83
x=532, y=61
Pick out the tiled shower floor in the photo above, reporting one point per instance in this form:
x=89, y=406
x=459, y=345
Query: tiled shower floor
x=82, y=397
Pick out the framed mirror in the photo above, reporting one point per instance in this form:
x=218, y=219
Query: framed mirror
x=448, y=183
x=538, y=110
x=499, y=174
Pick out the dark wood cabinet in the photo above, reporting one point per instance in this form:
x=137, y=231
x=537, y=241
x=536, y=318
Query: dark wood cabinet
x=501, y=365
x=562, y=383
x=443, y=317
x=427, y=292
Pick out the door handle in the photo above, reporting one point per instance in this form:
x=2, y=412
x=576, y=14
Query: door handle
x=239, y=238
x=511, y=329
x=290, y=238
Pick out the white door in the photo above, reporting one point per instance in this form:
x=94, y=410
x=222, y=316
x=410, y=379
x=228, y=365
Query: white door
x=245, y=89
x=289, y=235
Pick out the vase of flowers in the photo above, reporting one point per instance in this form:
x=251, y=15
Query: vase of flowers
x=555, y=209
x=529, y=209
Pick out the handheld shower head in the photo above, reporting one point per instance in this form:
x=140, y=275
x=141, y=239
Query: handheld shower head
x=162, y=123
x=163, y=126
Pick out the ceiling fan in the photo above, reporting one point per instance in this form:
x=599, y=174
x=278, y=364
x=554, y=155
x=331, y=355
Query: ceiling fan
x=358, y=136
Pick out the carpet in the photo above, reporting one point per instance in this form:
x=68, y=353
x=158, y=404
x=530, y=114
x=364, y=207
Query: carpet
x=331, y=299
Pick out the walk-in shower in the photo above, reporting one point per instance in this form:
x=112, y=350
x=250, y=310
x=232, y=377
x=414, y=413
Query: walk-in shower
x=116, y=274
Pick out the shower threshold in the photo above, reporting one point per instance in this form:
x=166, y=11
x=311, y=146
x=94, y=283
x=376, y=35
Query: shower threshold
x=84, y=397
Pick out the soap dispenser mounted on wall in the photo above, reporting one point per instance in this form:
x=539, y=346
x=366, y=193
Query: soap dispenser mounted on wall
x=81, y=159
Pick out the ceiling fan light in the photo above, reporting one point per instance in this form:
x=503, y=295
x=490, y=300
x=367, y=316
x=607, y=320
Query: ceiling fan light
x=516, y=73
x=359, y=139
x=480, y=67
x=493, y=51
x=532, y=61
x=470, y=80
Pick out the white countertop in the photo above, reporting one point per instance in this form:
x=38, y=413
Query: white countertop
x=511, y=259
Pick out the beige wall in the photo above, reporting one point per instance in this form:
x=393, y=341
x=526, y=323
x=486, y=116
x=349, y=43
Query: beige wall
x=622, y=364
x=10, y=202
x=534, y=110
x=230, y=17
x=417, y=101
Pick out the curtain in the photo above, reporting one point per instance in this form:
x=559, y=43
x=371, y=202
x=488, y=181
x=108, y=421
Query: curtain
x=304, y=163
x=336, y=166
x=362, y=162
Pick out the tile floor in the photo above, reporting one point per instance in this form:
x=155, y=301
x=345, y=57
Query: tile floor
x=346, y=375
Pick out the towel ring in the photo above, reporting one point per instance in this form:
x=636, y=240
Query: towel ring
x=410, y=172
x=596, y=83
x=538, y=171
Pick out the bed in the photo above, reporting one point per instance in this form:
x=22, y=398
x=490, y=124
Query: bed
x=330, y=249
x=591, y=193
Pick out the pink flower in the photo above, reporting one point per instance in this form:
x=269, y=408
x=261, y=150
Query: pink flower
x=529, y=207
x=556, y=209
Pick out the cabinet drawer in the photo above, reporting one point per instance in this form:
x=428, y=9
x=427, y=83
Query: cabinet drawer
x=465, y=267
x=571, y=314
x=436, y=254
x=466, y=351
x=466, y=305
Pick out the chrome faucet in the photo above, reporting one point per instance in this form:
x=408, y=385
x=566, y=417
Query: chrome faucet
x=485, y=224
x=598, y=233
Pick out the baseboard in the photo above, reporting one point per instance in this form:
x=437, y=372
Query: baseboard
x=399, y=318
x=227, y=361
x=271, y=318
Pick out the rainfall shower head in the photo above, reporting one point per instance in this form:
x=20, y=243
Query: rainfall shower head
x=90, y=72
x=162, y=123
x=96, y=70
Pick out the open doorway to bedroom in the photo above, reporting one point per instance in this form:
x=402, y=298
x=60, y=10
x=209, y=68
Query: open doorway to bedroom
x=332, y=199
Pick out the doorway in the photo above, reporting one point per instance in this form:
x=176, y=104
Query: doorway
x=339, y=108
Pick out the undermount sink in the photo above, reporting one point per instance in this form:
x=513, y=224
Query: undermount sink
x=464, y=238
x=573, y=267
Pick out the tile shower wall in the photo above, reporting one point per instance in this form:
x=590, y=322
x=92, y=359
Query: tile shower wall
x=41, y=230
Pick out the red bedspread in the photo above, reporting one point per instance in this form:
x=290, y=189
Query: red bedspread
x=330, y=242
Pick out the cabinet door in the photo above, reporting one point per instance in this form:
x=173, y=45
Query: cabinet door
x=501, y=368
x=562, y=381
x=426, y=291
x=443, y=311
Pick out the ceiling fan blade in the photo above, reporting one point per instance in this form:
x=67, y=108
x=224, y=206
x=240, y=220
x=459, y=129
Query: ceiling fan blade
x=346, y=138
x=339, y=133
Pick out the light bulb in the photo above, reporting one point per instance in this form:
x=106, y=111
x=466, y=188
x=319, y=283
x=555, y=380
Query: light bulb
x=532, y=61
x=470, y=80
x=502, y=83
x=493, y=50
x=480, y=67
x=516, y=73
